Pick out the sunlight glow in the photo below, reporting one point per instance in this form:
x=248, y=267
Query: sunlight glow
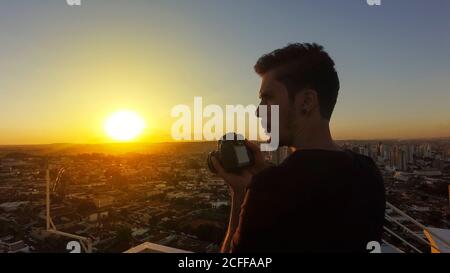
x=124, y=125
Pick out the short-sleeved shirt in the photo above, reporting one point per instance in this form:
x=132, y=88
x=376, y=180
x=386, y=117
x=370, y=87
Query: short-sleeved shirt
x=315, y=201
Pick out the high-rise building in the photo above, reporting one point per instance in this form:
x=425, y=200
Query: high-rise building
x=410, y=153
x=385, y=152
x=403, y=160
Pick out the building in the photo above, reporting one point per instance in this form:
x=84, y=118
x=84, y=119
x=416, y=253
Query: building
x=102, y=201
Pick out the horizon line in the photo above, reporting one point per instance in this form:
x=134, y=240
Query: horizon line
x=206, y=141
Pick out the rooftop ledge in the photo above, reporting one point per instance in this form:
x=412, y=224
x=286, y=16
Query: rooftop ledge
x=154, y=248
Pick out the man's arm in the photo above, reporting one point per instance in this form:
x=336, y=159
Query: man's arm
x=238, y=184
x=237, y=198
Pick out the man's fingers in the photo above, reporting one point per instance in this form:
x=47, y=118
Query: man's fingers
x=217, y=166
x=246, y=172
x=252, y=146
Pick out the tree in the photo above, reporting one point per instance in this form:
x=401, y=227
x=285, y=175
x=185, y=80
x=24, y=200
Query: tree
x=86, y=207
x=123, y=239
x=210, y=233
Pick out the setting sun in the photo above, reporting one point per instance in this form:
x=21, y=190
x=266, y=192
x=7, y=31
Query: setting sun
x=124, y=125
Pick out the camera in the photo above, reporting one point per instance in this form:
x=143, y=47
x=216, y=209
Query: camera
x=232, y=154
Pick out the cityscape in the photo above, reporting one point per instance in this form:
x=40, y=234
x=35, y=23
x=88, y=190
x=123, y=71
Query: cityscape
x=164, y=193
x=111, y=113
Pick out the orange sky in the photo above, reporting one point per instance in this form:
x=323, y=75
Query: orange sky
x=64, y=70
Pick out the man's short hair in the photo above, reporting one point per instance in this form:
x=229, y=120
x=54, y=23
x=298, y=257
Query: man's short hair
x=304, y=65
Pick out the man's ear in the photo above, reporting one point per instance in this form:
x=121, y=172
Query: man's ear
x=306, y=101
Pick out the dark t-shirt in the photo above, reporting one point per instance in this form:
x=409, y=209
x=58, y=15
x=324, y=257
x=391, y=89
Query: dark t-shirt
x=315, y=201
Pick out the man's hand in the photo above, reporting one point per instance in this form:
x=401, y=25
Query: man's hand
x=239, y=182
x=238, y=185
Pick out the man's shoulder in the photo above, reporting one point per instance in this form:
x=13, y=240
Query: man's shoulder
x=270, y=178
x=360, y=157
x=364, y=162
x=266, y=178
x=306, y=165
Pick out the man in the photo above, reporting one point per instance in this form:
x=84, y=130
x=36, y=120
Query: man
x=321, y=198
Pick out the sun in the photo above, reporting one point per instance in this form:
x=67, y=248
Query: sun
x=124, y=125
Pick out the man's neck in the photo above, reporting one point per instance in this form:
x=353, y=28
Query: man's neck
x=315, y=136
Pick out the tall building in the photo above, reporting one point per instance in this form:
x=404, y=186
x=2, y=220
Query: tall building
x=398, y=158
x=385, y=152
x=410, y=153
x=403, y=159
x=379, y=149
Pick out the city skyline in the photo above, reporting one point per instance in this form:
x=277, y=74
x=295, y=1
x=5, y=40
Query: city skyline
x=170, y=199
x=65, y=69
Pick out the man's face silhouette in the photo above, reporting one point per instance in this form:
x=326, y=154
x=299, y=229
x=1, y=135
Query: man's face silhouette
x=273, y=92
x=297, y=114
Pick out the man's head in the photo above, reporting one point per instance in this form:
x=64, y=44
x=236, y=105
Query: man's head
x=302, y=80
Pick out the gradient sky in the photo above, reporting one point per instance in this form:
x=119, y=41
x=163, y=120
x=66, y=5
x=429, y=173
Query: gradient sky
x=64, y=69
